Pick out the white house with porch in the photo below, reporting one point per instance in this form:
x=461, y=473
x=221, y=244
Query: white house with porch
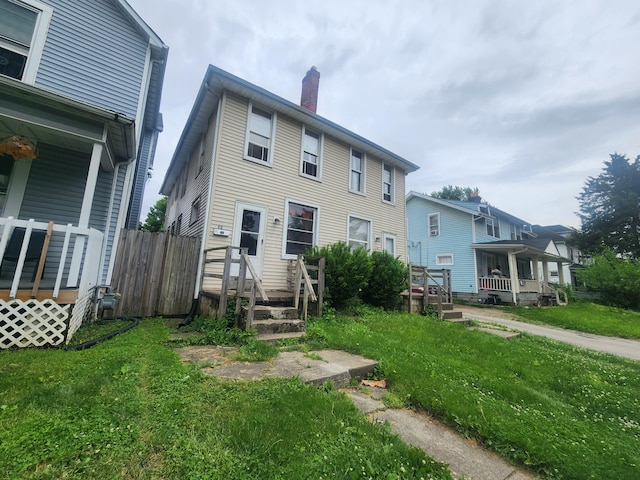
x=493, y=256
x=80, y=87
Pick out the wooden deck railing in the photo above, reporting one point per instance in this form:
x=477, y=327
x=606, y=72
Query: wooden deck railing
x=75, y=258
x=304, y=283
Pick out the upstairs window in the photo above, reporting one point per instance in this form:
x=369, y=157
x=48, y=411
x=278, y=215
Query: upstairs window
x=195, y=211
x=434, y=225
x=387, y=183
x=23, y=30
x=515, y=232
x=356, y=177
x=259, y=135
x=493, y=227
x=311, y=153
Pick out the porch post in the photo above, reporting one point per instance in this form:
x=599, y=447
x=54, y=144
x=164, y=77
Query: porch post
x=545, y=270
x=560, y=273
x=513, y=274
x=85, y=213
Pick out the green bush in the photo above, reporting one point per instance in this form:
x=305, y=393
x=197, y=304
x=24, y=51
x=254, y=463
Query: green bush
x=347, y=272
x=389, y=277
x=616, y=279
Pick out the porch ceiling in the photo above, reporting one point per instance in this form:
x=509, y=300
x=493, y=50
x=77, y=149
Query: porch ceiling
x=521, y=250
x=48, y=118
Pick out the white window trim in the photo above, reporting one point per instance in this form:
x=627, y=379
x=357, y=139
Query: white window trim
x=317, y=178
x=370, y=234
x=392, y=183
x=201, y=154
x=437, y=215
x=441, y=256
x=285, y=226
x=493, y=227
x=39, y=37
x=274, y=117
x=194, y=218
x=390, y=236
x=363, y=173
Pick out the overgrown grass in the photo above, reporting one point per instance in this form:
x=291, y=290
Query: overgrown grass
x=128, y=408
x=585, y=317
x=564, y=412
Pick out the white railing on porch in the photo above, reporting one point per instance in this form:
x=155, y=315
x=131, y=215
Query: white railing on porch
x=495, y=283
x=84, y=263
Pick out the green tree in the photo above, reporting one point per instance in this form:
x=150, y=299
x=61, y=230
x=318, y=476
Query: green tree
x=389, y=278
x=451, y=192
x=610, y=209
x=155, y=218
x=616, y=279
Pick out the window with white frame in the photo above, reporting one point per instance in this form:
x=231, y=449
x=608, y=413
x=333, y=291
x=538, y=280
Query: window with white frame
x=514, y=230
x=493, y=227
x=23, y=31
x=389, y=243
x=356, y=177
x=444, y=259
x=201, y=155
x=387, y=183
x=259, y=139
x=310, y=165
x=359, y=234
x=195, y=211
x=179, y=225
x=434, y=225
x=301, y=228
x=6, y=169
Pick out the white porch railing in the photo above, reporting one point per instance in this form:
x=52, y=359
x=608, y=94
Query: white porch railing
x=495, y=283
x=76, y=258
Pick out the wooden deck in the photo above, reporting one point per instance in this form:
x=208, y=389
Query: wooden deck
x=64, y=297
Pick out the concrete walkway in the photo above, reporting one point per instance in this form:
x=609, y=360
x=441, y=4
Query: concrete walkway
x=621, y=347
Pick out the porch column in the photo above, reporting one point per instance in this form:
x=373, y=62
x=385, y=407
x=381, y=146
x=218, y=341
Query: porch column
x=560, y=273
x=85, y=213
x=545, y=271
x=513, y=275
x=536, y=269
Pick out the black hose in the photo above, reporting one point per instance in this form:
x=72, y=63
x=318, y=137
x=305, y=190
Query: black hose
x=95, y=341
x=192, y=313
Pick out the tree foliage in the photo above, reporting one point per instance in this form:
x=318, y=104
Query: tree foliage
x=389, y=278
x=610, y=209
x=616, y=279
x=451, y=192
x=155, y=218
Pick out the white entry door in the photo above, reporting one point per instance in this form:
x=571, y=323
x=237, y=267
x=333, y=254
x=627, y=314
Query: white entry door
x=248, y=232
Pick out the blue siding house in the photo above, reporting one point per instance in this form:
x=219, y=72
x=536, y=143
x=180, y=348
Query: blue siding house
x=492, y=255
x=80, y=90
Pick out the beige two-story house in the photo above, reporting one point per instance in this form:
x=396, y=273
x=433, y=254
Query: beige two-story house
x=254, y=170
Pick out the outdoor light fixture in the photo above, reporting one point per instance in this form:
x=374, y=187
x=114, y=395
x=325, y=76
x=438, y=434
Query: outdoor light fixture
x=276, y=221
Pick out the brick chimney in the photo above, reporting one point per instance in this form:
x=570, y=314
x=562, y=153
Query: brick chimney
x=310, y=83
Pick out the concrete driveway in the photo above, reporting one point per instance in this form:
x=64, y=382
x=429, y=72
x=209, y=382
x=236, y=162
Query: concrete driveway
x=621, y=347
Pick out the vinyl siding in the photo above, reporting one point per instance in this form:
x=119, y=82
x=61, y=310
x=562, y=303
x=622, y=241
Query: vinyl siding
x=92, y=53
x=455, y=238
x=240, y=180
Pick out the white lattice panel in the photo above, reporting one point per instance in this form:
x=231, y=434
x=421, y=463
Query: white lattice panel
x=32, y=323
x=81, y=312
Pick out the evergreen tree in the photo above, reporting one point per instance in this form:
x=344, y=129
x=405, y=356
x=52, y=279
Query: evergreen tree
x=155, y=218
x=610, y=209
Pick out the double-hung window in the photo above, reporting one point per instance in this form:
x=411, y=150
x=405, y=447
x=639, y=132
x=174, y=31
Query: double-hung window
x=23, y=30
x=359, y=233
x=434, y=225
x=301, y=228
x=389, y=243
x=493, y=227
x=195, y=211
x=311, y=165
x=387, y=183
x=515, y=231
x=259, y=140
x=356, y=177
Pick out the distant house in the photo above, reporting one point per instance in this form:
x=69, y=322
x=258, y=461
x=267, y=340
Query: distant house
x=492, y=255
x=254, y=170
x=80, y=88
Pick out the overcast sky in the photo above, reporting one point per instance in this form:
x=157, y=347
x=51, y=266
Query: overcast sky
x=523, y=100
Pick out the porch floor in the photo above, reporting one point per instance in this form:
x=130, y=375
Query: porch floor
x=64, y=296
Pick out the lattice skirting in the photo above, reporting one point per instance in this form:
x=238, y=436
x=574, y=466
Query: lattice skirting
x=34, y=323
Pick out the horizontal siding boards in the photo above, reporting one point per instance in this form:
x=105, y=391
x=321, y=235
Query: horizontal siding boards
x=139, y=181
x=154, y=273
x=93, y=54
x=237, y=179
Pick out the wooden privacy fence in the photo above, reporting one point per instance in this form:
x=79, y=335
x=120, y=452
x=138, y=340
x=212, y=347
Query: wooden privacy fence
x=155, y=273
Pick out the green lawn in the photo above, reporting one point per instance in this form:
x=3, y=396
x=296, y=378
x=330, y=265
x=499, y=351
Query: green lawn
x=585, y=317
x=129, y=409
x=564, y=412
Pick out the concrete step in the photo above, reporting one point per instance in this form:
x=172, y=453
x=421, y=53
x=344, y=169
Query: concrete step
x=264, y=312
x=460, y=320
x=500, y=333
x=270, y=327
x=451, y=315
x=274, y=337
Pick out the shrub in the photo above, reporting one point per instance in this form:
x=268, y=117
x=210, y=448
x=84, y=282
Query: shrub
x=616, y=279
x=347, y=272
x=389, y=277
